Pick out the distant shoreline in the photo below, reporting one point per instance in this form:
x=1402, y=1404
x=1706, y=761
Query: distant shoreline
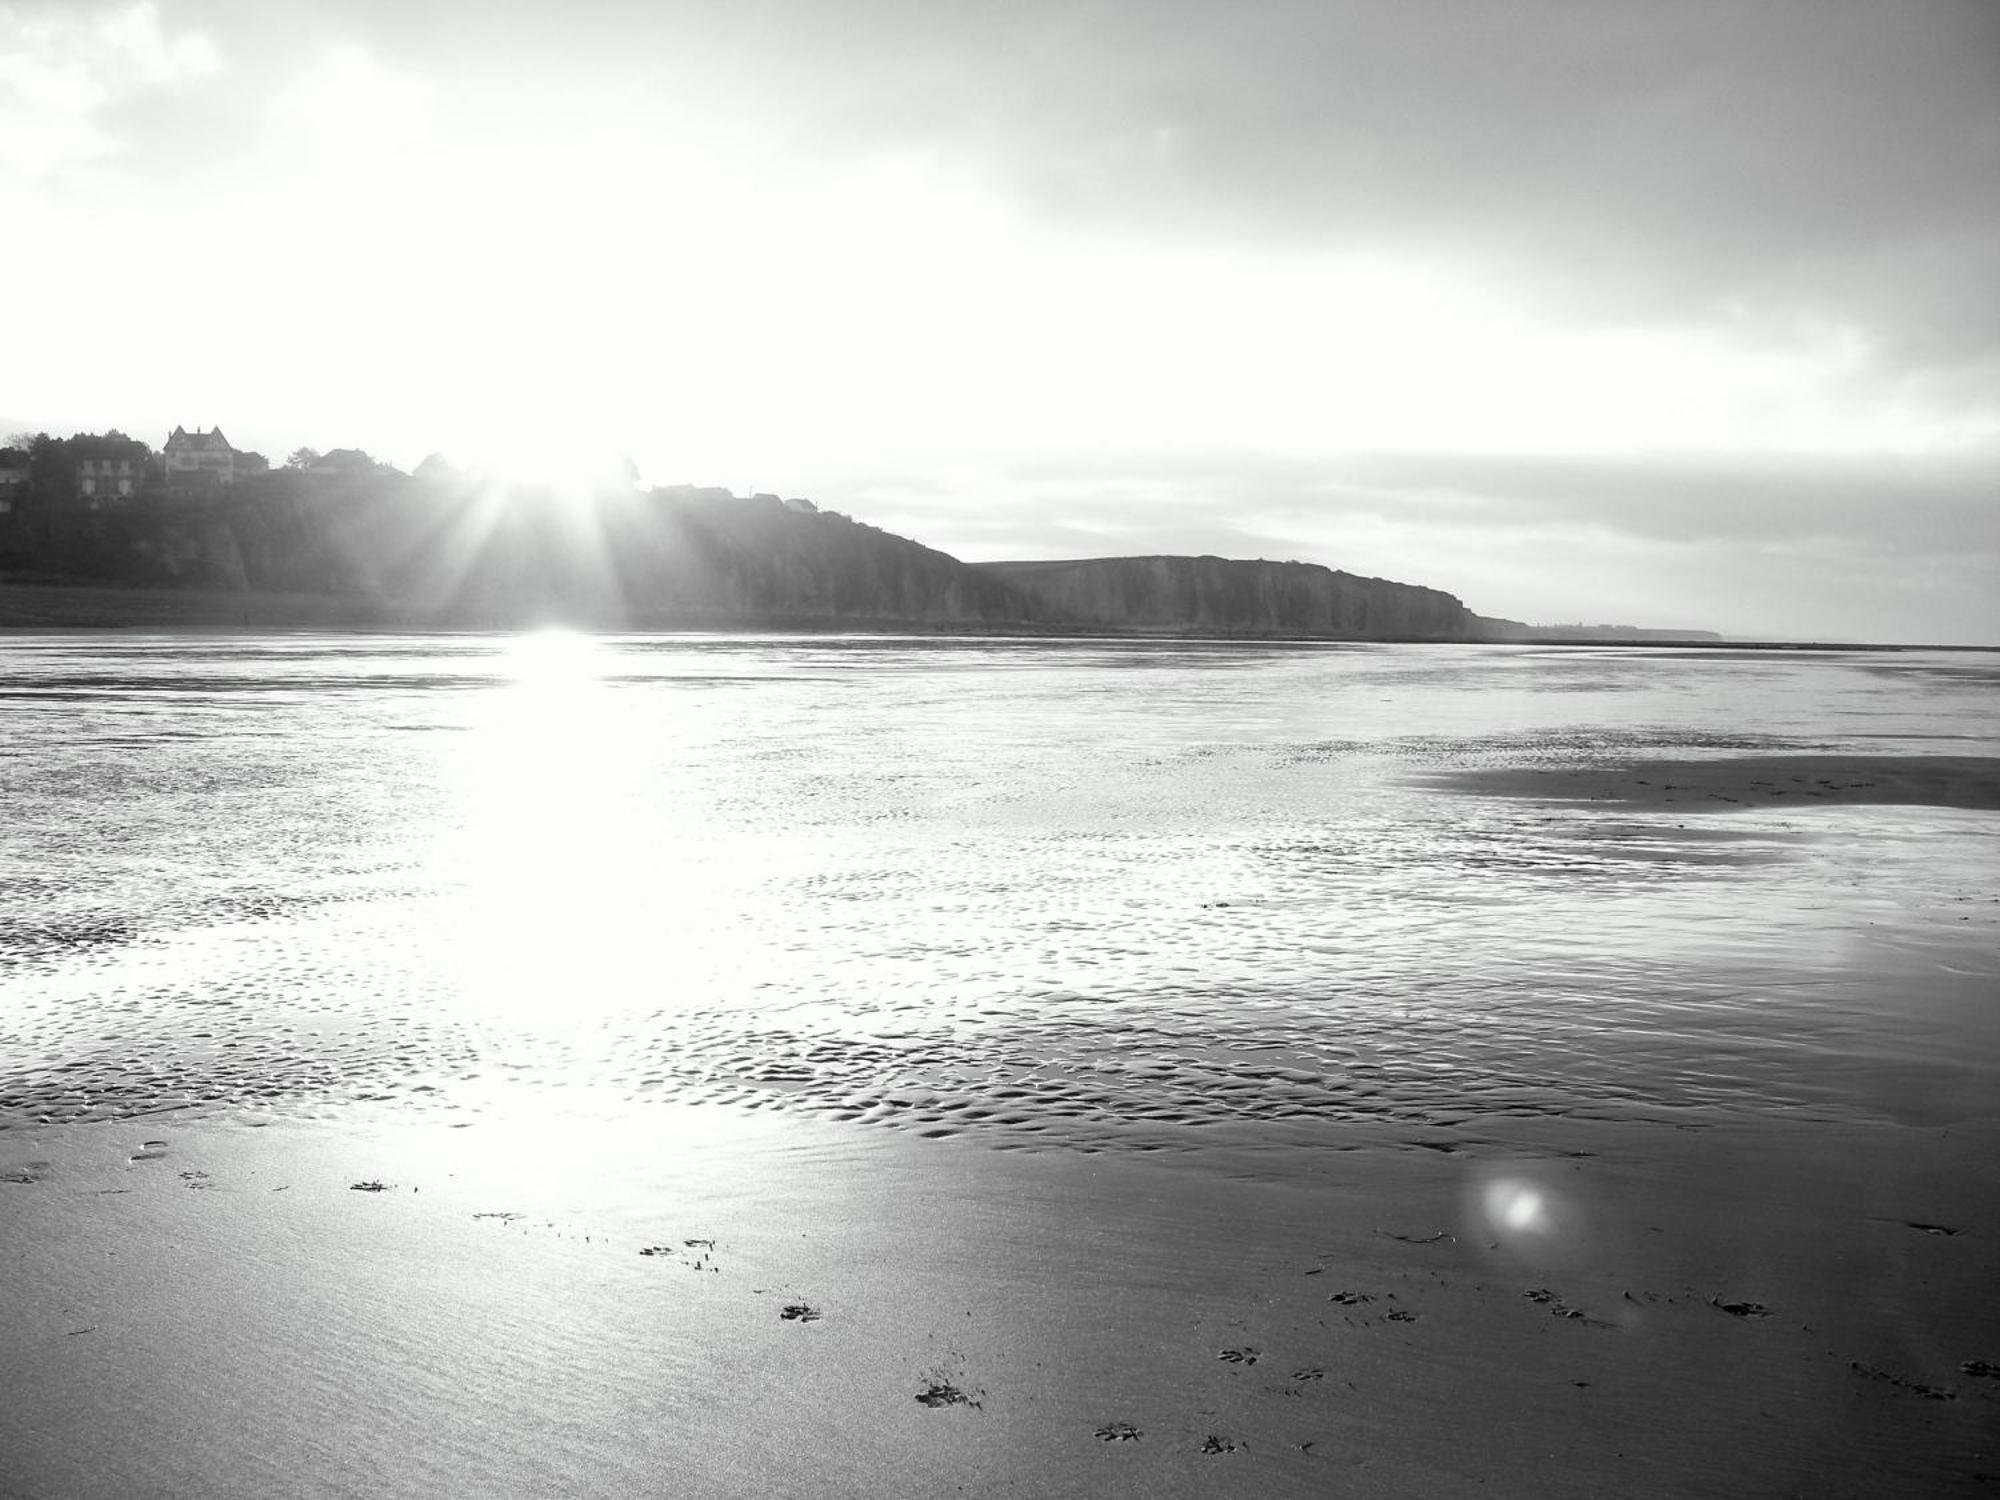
x=40, y=605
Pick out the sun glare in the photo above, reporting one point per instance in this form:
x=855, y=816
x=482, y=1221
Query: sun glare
x=546, y=865
x=554, y=659
x=568, y=469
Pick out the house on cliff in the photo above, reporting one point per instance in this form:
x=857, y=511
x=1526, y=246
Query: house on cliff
x=14, y=476
x=111, y=478
x=345, y=463
x=111, y=466
x=198, y=460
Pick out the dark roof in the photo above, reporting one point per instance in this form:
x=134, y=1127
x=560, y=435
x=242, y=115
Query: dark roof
x=207, y=442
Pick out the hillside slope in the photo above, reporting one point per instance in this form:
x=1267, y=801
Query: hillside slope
x=1221, y=596
x=411, y=553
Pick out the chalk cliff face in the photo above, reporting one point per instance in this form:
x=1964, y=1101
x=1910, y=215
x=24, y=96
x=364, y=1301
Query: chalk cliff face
x=1219, y=596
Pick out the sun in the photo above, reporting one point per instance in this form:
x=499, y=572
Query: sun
x=571, y=470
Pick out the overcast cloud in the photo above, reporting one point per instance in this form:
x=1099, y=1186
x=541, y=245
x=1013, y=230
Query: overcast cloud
x=1575, y=309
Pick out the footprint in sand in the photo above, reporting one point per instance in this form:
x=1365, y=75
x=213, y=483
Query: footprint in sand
x=799, y=1312
x=942, y=1388
x=1119, y=1432
x=694, y=1254
x=1561, y=1309
x=1653, y=1298
x=1243, y=1356
x=1311, y=1372
x=1741, y=1309
x=944, y=1393
x=1915, y=1387
x=1214, y=1444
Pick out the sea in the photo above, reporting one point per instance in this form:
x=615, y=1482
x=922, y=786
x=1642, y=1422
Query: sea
x=1075, y=895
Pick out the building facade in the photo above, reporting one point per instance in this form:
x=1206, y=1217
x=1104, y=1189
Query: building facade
x=13, y=477
x=201, y=459
x=110, y=478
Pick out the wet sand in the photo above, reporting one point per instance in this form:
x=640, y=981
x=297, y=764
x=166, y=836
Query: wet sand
x=1967, y=781
x=702, y=1301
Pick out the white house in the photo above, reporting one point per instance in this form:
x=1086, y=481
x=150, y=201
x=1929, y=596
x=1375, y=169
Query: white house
x=206, y=458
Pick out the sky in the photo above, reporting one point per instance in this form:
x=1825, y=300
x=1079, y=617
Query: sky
x=1600, y=311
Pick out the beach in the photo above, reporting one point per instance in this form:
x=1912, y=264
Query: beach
x=1120, y=1101
x=1033, y=752
x=219, y=1310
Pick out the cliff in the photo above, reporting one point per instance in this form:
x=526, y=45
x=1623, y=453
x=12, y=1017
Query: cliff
x=412, y=553
x=691, y=558
x=383, y=548
x=1220, y=596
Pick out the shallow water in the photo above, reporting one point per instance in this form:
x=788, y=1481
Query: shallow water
x=1101, y=895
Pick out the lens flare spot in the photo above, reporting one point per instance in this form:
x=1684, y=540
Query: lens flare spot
x=1516, y=1207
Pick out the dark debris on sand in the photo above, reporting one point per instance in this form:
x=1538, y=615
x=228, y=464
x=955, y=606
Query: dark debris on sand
x=1915, y=1387
x=1741, y=1309
x=1558, y=1308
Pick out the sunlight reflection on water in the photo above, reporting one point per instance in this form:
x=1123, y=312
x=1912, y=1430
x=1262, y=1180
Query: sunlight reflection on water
x=1088, y=893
